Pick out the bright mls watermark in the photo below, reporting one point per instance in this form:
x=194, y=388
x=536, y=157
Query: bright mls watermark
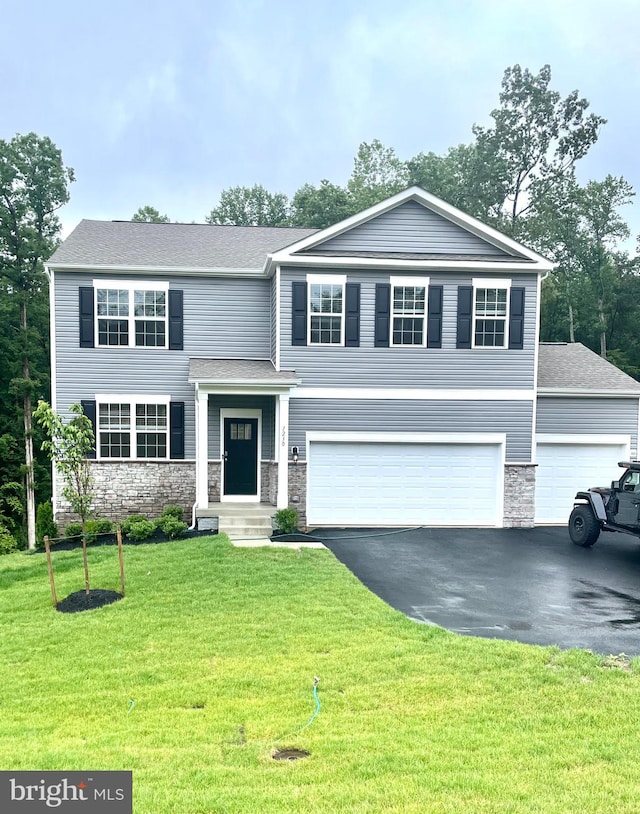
x=95, y=792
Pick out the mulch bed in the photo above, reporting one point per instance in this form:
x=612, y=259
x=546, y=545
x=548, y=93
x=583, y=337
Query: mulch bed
x=81, y=601
x=158, y=536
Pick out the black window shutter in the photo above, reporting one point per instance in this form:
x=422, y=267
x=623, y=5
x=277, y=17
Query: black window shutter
x=516, y=318
x=89, y=409
x=352, y=315
x=176, y=320
x=299, y=313
x=465, y=316
x=382, y=312
x=176, y=429
x=434, y=317
x=86, y=317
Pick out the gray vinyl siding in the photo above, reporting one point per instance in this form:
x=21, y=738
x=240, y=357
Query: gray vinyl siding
x=588, y=416
x=264, y=403
x=223, y=318
x=446, y=367
x=410, y=228
x=514, y=418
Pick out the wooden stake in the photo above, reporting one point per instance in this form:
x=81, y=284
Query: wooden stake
x=119, y=539
x=50, y=566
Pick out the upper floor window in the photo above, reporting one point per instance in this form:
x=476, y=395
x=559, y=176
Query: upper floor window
x=490, y=313
x=131, y=314
x=132, y=427
x=326, y=310
x=408, y=300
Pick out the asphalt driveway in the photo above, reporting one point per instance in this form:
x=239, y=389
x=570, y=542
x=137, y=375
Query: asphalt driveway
x=527, y=585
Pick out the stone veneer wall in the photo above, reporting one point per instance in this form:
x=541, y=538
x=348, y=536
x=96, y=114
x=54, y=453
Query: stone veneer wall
x=519, y=495
x=124, y=488
x=298, y=491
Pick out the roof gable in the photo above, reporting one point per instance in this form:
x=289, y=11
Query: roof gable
x=414, y=225
x=411, y=229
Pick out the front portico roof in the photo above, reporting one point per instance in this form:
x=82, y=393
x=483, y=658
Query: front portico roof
x=227, y=373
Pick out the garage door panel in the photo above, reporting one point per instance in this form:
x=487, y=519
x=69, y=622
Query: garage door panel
x=564, y=469
x=371, y=483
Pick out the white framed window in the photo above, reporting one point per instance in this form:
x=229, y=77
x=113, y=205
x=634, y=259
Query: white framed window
x=326, y=309
x=131, y=314
x=409, y=311
x=132, y=427
x=490, y=313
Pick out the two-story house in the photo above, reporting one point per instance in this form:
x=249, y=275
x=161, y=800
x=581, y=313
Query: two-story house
x=383, y=371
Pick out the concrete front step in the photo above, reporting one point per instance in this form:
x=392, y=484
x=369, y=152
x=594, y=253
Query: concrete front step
x=241, y=521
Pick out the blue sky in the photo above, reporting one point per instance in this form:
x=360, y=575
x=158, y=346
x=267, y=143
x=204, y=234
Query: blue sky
x=167, y=103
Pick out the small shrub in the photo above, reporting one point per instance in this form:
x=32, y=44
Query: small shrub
x=73, y=531
x=286, y=520
x=174, y=511
x=45, y=524
x=8, y=542
x=126, y=524
x=93, y=529
x=140, y=529
x=171, y=526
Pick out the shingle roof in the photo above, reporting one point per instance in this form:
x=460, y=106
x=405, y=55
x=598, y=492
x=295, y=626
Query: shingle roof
x=239, y=371
x=573, y=367
x=173, y=245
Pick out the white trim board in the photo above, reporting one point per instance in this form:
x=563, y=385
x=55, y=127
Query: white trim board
x=582, y=438
x=412, y=394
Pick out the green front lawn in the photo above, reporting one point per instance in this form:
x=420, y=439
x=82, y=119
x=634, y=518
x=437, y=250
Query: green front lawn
x=189, y=680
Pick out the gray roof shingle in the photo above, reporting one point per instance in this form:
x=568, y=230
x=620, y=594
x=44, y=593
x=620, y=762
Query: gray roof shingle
x=572, y=366
x=239, y=371
x=173, y=245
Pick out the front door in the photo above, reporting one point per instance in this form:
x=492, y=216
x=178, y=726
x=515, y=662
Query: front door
x=240, y=456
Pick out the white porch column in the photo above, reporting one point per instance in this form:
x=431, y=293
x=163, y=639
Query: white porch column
x=202, y=449
x=282, y=443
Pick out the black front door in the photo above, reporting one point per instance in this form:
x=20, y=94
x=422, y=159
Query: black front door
x=240, y=456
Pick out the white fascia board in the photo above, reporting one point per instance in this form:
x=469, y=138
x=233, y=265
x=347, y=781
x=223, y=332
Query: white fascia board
x=412, y=394
x=339, y=261
x=582, y=438
x=408, y=437
x=249, y=389
x=436, y=205
x=575, y=392
x=214, y=271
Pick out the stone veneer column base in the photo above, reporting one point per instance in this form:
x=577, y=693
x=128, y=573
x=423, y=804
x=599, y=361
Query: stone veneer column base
x=298, y=491
x=122, y=488
x=519, y=495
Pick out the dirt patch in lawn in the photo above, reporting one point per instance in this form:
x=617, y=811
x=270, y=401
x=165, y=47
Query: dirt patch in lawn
x=290, y=754
x=82, y=601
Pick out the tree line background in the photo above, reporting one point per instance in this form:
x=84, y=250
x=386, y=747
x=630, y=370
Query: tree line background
x=517, y=174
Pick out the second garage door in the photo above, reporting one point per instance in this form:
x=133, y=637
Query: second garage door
x=569, y=464
x=369, y=483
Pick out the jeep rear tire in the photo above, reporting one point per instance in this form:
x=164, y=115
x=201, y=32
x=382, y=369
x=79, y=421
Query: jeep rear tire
x=584, y=529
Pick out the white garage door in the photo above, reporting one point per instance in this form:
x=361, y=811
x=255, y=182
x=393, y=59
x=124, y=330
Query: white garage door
x=572, y=464
x=403, y=484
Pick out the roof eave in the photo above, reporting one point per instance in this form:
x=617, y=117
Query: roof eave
x=315, y=261
x=218, y=271
x=588, y=393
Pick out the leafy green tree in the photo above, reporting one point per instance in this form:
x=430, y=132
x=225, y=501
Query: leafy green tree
x=377, y=174
x=33, y=185
x=537, y=136
x=250, y=206
x=148, y=214
x=69, y=444
x=468, y=176
x=319, y=207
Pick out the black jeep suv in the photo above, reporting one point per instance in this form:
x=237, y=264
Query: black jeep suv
x=601, y=509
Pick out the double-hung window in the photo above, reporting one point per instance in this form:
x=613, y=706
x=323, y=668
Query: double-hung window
x=132, y=427
x=326, y=310
x=131, y=314
x=490, y=313
x=408, y=311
